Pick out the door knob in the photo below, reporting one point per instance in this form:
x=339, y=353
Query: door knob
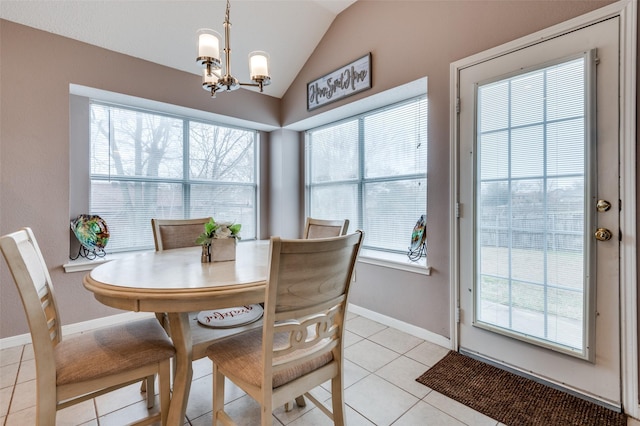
x=602, y=234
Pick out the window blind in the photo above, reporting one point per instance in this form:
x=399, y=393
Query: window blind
x=371, y=169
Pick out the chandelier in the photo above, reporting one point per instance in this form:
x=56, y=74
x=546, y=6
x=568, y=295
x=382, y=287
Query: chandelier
x=216, y=78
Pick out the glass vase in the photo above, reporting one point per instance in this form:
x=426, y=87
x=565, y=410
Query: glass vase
x=205, y=257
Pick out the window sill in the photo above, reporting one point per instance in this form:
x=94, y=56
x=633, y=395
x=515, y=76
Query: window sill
x=372, y=257
x=394, y=261
x=82, y=264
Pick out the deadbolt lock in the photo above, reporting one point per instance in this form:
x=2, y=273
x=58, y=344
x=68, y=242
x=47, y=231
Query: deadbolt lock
x=602, y=234
x=603, y=205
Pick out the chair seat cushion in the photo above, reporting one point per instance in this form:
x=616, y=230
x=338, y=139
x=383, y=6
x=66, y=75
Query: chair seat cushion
x=110, y=350
x=242, y=354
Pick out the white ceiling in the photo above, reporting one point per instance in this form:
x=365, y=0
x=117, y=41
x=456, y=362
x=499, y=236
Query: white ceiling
x=164, y=31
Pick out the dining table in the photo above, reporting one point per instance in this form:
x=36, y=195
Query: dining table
x=177, y=282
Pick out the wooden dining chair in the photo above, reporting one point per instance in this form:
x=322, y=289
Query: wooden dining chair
x=179, y=233
x=300, y=345
x=81, y=367
x=320, y=228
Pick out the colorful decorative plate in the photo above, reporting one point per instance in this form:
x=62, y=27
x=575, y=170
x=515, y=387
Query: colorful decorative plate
x=91, y=231
x=230, y=317
x=419, y=234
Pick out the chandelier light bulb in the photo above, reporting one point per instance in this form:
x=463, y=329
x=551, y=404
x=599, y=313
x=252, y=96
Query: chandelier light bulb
x=208, y=45
x=258, y=64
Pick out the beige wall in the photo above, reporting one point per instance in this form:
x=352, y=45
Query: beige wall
x=285, y=173
x=36, y=70
x=408, y=40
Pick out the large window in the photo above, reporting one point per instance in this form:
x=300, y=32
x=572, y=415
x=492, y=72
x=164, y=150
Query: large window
x=371, y=169
x=146, y=164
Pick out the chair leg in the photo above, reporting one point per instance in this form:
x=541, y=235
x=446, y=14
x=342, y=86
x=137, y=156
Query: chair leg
x=218, y=395
x=149, y=384
x=162, y=319
x=164, y=382
x=300, y=402
x=266, y=416
x=337, y=401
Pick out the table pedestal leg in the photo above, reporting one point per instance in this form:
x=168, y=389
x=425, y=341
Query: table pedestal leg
x=181, y=337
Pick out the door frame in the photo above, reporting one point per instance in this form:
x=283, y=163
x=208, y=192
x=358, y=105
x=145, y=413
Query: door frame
x=627, y=11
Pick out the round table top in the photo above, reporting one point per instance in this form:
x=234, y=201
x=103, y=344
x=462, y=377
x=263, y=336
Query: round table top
x=179, y=274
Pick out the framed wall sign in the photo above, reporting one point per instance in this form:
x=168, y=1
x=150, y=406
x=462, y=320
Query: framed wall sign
x=345, y=81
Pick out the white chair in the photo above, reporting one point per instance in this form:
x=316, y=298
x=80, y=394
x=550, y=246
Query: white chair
x=75, y=369
x=300, y=345
x=320, y=228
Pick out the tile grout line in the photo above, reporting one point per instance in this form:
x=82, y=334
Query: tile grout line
x=15, y=384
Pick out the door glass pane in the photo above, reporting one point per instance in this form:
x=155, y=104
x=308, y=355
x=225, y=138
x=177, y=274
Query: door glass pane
x=530, y=214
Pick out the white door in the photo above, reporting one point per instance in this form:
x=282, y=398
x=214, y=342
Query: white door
x=538, y=178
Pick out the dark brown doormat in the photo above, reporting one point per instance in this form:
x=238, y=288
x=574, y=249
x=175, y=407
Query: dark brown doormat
x=512, y=399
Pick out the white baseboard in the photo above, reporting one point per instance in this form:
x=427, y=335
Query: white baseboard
x=79, y=327
x=402, y=326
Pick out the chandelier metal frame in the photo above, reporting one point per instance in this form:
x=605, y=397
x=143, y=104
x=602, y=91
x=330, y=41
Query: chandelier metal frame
x=213, y=79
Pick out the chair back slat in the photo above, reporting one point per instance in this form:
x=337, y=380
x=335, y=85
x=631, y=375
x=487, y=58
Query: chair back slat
x=50, y=313
x=53, y=332
x=283, y=315
x=316, y=331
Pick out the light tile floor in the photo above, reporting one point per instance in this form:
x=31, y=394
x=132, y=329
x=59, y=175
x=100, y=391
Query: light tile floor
x=381, y=366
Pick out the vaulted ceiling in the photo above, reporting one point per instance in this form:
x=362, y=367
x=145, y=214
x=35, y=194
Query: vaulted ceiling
x=164, y=31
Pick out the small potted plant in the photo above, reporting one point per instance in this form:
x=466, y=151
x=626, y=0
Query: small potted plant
x=218, y=241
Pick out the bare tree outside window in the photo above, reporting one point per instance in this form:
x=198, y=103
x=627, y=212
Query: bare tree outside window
x=146, y=165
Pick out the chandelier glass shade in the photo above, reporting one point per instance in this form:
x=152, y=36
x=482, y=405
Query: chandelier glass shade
x=216, y=76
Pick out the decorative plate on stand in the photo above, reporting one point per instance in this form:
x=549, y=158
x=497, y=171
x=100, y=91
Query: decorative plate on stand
x=230, y=317
x=92, y=233
x=418, y=247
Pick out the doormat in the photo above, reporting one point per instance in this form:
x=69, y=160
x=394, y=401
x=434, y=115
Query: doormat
x=512, y=399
